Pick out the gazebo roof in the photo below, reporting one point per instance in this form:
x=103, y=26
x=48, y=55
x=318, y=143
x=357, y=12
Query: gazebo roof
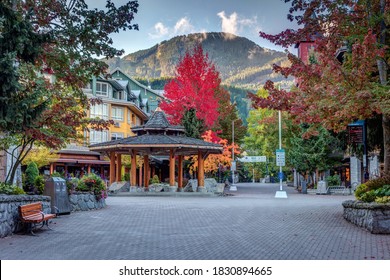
x=158, y=137
x=158, y=122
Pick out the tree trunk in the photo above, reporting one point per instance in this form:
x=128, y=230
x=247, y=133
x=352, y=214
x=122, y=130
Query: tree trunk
x=386, y=142
x=382, y=69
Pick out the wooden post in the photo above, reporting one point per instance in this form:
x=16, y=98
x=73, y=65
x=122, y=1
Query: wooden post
x=180, y=172
x=200, y=170
x=112, y=168
x=171, y=168
x=146, y=171
x=119, y=167
x=133, y=175
x=51, y=168
x=140, y=176
x=88, y=168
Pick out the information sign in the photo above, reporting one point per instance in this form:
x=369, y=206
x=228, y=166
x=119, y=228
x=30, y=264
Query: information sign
x=280, y=157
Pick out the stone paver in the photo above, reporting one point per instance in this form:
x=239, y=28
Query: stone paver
x=252, y=224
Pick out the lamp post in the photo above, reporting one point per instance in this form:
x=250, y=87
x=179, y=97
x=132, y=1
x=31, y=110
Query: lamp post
x=232, y=186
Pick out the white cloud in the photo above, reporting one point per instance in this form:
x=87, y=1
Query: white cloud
x=160, y=30
x=229, y=24
x=183, y=26
x=235, y=24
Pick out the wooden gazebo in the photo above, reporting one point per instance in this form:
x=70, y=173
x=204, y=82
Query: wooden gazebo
x=157, y=138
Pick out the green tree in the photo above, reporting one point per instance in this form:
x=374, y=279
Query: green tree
x=227, y=114
x=49, y=37
x=32, y=173
x=194, y=127
x=313, y=152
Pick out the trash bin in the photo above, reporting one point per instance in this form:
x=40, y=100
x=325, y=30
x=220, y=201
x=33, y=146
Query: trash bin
x=304, y=187
x=322, y=187
x=55, y=187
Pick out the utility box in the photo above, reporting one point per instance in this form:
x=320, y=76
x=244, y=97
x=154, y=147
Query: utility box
x=55, y=187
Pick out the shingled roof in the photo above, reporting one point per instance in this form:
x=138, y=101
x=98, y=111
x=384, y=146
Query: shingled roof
x=158, y=137
x=158, y=122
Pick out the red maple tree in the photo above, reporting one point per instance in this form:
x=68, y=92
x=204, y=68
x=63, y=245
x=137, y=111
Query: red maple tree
x=193, y=88
x=331, y=92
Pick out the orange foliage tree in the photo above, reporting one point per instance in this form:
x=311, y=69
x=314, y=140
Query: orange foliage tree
x=215, y=161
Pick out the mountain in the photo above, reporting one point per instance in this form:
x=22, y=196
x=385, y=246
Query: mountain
x=239, y=61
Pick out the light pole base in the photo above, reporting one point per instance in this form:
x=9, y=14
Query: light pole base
x=233, y=188
x=281, y=194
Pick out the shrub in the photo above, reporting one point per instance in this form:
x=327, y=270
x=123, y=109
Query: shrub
x=10, y=189
x=155, y=180
x=361, y=189
x=126, y=177
x=39, y=184
x=383, y=191
x=383, y=199
x=333, y=180
x=93, y=183
x=72, y=184
x=32, y=173
x=368, y=196
x=378, y=183
x=57, y=174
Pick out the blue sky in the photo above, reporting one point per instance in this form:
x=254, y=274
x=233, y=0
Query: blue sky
x=160, y=20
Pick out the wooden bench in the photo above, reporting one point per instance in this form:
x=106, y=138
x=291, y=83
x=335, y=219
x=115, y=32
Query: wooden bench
x=32, y=215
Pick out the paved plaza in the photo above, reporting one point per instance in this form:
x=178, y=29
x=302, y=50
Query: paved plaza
x=248, y=225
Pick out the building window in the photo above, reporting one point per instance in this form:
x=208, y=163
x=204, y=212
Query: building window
x=128, y=116
x=102, y=89
x=118, y=95
x=99, y=111
x=133, y=119
x=116, y=135
x=96, y=136
x=117, y=113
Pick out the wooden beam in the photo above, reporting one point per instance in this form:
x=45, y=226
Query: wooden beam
x=200, y=170
x=146, y=171
x=171, y=168
x=119, y=167
x=112, y=168
x=180, y=172
x=133, y=172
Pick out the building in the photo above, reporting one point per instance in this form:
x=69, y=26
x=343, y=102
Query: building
x=124, y=101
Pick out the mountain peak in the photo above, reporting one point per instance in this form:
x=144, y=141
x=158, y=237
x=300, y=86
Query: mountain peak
x=240, y=61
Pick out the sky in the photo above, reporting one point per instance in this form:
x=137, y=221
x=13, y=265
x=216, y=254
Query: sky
x=161, y=20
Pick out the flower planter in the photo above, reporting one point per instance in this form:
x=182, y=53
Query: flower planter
x=372, y=216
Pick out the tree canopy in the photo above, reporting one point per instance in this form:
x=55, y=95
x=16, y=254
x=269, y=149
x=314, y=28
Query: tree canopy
x=49, y=50
x=330, y=92
x=194, y=88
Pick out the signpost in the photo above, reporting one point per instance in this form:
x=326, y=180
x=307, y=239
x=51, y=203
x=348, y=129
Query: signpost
x=280, y=161
x=253, y=159
x=280, y=157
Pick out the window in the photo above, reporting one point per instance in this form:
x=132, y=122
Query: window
x=116, y=135
x=128, y=116
x=118, y=95
x=99, y=111
x=96, y=136
x=102, y=89
x=117, y=113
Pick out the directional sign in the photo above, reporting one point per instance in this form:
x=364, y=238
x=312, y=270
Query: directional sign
x=280, y=157
x=253, y=159
x=233, y=167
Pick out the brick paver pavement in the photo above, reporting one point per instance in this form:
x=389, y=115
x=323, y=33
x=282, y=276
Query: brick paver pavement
x=251, y=224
